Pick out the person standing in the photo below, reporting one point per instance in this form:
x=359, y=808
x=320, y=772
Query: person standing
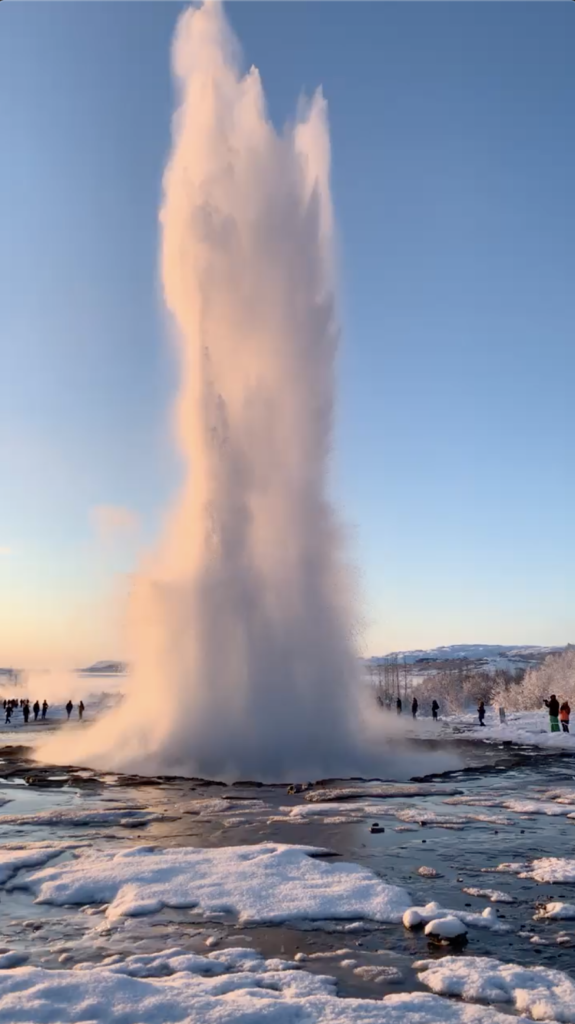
x=81, y=710
x=564, y=713
x=36, y=710
x=481, y=713
x=398, y=705
x=414, y=707
x=69, y=708
x=434, y=710
x=44, y=709
x=553, y=705
x=26, y=712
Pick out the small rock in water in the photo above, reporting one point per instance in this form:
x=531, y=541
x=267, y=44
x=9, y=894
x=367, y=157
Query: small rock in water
x=426, y=872
x=375, y=828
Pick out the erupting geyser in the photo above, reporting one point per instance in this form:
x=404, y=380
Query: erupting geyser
x=241, y=652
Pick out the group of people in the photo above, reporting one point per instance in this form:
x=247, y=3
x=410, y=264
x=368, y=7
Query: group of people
x=558, y=714
x=70, y=708
x=37, y=709
x=10, y=706
x=415, y=708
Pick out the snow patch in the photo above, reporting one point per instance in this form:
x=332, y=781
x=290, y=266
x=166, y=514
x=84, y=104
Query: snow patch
x=416, y=916
x=233, y=986
x=260, y=884
x=446, y=927
x=541, y=992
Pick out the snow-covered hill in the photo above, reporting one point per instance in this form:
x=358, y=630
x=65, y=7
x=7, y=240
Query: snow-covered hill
x=488, y=657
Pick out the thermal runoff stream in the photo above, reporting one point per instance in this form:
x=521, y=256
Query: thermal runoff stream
x=242, y=662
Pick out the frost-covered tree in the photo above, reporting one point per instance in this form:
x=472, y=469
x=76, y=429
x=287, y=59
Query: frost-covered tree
x=555, y=675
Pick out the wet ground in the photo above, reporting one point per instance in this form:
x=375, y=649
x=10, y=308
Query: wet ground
x=460, y=853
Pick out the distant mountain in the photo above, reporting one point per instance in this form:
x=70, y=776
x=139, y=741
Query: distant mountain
x=488, y=657
x=105, y=668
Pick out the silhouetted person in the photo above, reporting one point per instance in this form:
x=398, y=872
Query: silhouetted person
x=414, y=707
x=434, y=710
x=553, y=705
x=564, y=713
x=44, y=708
x=81, y=710
x=398, y=705
x=481, y=713
x=26, y=713
x=69, y=708
x=36, y=710
x=8, y=714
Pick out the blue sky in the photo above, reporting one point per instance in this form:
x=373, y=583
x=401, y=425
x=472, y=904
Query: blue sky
x=453, y=171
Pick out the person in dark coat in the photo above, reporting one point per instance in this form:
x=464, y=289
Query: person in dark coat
x=553, y=705
x=434, y=710
x=69, y=708
x=81, y=710
x=398, y=705
x=481, y=713
x=414, y=707
x=44, y=708
x=26, y=712
x=8, y=714
x=36, y=710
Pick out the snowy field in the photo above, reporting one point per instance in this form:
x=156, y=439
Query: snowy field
x=134, y=901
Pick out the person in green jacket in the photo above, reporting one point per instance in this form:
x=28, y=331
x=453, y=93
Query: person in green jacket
x=553, y=705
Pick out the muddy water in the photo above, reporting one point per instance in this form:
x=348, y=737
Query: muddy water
x=461, y=855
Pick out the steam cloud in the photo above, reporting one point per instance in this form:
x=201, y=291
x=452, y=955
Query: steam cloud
x=242, y=660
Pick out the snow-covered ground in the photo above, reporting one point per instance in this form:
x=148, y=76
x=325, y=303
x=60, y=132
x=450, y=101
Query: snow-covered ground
x=229, y=988
x=260, y=884
x=119, y=894
x=78, y=853
x=523, y=728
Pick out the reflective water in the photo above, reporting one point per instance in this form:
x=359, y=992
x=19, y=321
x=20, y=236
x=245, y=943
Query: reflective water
x=460, y=855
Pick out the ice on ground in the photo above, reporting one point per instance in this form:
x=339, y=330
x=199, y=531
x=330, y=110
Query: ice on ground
x=540, y=992
x=421, y=814
x=563, y=795
x=495, y=895
x=206, y=989
x=556, y=912
x=551, y=808
x=14, y=857
x=534, y=805
x=378, y=973
x=426, y=872
x=542, y=869
x=379, y=791
x=416, y=916
x=259, y=884
x=330, y=813
x=63, y=816
x=12, y=958
x=446, y=927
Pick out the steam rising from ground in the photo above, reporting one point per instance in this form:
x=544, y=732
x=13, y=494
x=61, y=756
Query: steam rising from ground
x=243, y=665
x=242, y=660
